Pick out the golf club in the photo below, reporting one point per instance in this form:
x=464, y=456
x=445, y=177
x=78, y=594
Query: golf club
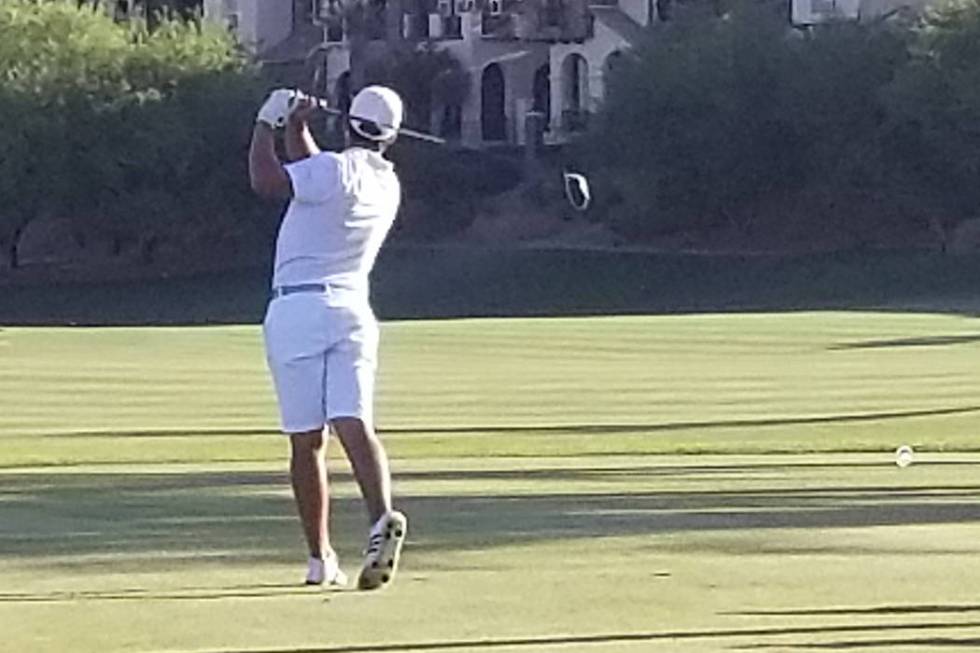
x=576, y=185
x=577, y=190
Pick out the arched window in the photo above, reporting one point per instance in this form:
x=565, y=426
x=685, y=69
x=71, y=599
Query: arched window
x=492, y=94
x=575, y=92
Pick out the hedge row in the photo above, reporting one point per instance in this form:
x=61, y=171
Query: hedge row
x=117, y=129
x=138, y=138
x=716, y=116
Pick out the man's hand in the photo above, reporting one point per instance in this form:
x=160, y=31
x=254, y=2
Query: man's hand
x=277, y=107
x=298, y=139
x=301, y=107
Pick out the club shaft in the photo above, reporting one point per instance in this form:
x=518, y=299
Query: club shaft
x=324, y=106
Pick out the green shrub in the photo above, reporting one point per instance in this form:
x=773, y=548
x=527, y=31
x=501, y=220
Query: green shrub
x=426, y=78
x=443, y=187
x=100, y=116
x=714, y=114
x=934, y=109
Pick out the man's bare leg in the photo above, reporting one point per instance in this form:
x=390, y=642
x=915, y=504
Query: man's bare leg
x=308, y=471
x=369, y=463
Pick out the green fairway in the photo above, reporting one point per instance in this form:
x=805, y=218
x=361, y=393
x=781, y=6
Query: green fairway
x=749, y=383
x=669, y=483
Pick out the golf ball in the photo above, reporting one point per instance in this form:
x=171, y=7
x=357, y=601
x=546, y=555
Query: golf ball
x=903, y=456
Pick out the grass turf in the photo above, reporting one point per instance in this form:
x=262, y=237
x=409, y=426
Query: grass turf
x=753, y=383
x=144, y=504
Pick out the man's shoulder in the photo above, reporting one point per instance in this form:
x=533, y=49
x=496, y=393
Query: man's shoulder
x=315, y=178
x=328, y=159
x=376, y=161
x=318, y=161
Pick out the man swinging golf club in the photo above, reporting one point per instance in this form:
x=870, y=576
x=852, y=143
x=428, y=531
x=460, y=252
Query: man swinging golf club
x=321, y=335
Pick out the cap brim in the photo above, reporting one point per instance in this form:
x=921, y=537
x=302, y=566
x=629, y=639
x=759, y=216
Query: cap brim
x=373, y=131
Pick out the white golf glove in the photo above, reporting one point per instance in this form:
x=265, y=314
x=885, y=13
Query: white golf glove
x=277, y=108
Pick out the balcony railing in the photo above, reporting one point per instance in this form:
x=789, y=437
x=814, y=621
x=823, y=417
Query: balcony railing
x=437, y=27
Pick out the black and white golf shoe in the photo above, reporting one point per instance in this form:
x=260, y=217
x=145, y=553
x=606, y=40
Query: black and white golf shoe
x=383, y=550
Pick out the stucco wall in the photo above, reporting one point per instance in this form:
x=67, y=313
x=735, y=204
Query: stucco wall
x=638, y=10
x=274, y=22
x=338, y=63
x=261, y=23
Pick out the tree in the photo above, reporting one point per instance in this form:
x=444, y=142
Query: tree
x=934, y=108
x=96, y=113
x=426, y=77
x=153, y=10
x=714, y=115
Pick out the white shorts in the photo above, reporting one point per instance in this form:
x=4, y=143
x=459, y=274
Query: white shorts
x=322, y=350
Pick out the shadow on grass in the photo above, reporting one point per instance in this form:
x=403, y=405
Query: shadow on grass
x=534, y=643
x=597, y=429
x=874, y=610
x=260, y=591
x=924, y=642
x=81, y=519
x=933, y=341
x=434, y=282
x=965, y=643
x=648, y=472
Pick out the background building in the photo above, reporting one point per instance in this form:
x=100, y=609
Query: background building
x=545, y=56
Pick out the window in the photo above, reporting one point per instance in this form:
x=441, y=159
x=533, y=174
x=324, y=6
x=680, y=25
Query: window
x=303, y=12
x=452, y=27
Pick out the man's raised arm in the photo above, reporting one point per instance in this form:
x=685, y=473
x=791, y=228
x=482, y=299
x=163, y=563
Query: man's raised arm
x=266, y=174
x=299, y=140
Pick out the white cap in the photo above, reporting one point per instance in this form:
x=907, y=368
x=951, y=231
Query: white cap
x=378, y=105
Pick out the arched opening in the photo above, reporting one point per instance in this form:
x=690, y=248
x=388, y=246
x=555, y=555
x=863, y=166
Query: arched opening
x=575, y=92
x=542, y=93
x=492, y=117
x=610, y=67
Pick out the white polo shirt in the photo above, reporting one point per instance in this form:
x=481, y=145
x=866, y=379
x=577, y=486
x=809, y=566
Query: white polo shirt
x=343, y=207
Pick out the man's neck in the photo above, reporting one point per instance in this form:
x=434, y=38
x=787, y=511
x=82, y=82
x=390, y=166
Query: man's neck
x=377, y=149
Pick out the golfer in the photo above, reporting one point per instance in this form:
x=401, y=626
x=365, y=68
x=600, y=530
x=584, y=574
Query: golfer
x=321, y=336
